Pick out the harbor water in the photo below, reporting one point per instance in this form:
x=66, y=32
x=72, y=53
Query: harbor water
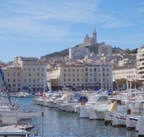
x=57, y=123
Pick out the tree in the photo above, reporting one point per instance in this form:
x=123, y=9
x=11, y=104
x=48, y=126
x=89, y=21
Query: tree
x=127, y=51
x=134, y=51
x=121, y=82
x=136, y=83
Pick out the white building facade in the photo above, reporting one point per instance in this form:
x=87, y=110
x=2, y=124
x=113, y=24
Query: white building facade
x=78, y=52
x=27, y=73
x=104, y=50
x=140, y=63
x=84, y=76
x=128, y=73
x=13, y=76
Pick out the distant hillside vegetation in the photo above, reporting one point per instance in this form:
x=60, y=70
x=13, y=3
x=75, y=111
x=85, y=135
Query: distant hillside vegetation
x=65, y=52
x=62, y=53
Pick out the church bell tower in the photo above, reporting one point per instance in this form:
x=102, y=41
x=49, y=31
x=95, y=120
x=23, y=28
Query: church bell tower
x=95, y=36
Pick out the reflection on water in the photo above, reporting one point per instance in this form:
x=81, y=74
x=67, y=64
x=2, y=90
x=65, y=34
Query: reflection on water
x=119, y=132
x=56, y=123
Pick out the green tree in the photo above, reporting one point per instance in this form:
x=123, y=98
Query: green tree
x=134, y=51
x=136, y=83
x=127, y=51
x=121, y=82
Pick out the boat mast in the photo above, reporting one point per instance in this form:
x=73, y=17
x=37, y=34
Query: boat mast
x=5, y=85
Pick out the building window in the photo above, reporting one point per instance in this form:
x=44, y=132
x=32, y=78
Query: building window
x=14, y=74
x=18, y=74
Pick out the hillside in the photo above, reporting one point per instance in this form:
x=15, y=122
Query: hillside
x=65, y=52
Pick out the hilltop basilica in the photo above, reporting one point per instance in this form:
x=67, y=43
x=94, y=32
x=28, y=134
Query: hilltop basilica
x=89, y=41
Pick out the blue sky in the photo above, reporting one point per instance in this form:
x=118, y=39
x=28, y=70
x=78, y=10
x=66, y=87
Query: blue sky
x=39, y=27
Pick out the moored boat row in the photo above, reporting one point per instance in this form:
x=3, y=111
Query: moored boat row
x=124, y=109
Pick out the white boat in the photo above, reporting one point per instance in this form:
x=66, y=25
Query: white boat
x=42, y=100
x=13, y=131
x=52, y=102
x=22, y=94
x=93, y=103
x=98, y=112
x=140, y=126
x=129, y=116
x=70, y=104
x=120, y=114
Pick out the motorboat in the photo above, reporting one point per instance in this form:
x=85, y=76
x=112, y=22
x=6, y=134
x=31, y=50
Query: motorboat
x=94, y=101
x=22, y=94
x=14, y=131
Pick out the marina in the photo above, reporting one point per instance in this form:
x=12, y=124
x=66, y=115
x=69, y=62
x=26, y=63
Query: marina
x=58, y=123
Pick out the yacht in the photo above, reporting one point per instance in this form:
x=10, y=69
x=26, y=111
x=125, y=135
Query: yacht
x=93, y=103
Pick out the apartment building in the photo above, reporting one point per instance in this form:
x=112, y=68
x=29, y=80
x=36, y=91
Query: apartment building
x=140, y=63
x=82, y=76
x=78, y=52
x=13, y=77
x=104, y=49
x=71, y=75
x=98, y=75
x=126, y=72
x=27, y=73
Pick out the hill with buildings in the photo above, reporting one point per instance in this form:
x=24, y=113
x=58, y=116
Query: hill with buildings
x=93, y=46
x=93, y=49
